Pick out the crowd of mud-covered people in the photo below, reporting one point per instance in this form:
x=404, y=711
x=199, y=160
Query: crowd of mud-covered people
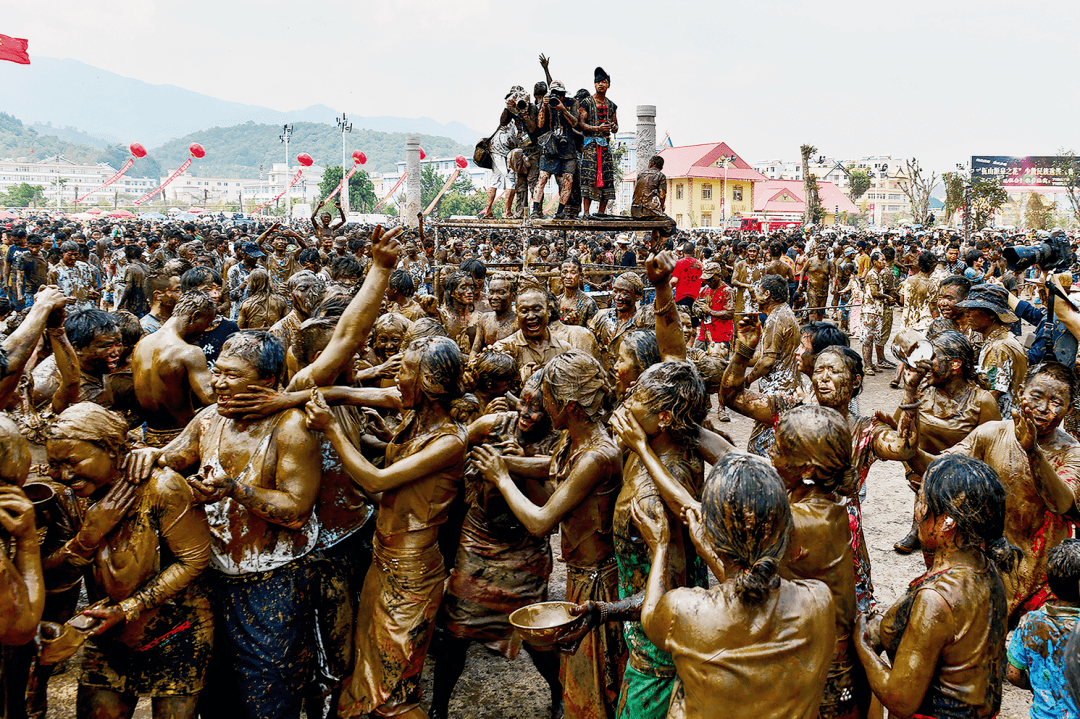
x=259, y=471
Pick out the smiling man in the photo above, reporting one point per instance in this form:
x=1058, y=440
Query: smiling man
x=95, y=339
x=533, y=345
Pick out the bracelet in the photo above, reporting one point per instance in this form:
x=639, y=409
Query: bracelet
x=603, y=612
x=744, y=350
x=666, y=308
x=130, y=607
x=55, y=331
x=86, y=549
x=910, y=406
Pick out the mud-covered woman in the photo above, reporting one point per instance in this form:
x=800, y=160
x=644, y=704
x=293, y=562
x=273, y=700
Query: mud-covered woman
x=945, y=638
x=140, y=548
x=586, y=470
x=422, y=476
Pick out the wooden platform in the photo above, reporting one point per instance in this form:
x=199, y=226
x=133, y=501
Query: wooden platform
x=610, y=223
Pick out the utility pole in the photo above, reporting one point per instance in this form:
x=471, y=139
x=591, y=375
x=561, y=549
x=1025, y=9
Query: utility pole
x=345, y=126
x=286, y=133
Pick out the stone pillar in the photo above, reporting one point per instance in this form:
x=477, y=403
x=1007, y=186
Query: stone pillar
x=412, y=182
x=646, y=135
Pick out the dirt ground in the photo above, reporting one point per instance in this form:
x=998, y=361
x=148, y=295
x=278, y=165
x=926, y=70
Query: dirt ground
x=495, y=688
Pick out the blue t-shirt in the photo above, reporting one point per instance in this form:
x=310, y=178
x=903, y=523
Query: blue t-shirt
x=1038, y=645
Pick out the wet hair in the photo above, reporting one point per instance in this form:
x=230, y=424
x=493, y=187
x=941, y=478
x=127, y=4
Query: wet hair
x=711, y=369
x=824, y=334
x=440, y=369
x=82, y=326
x=1058, y=371
x=258, y=283
x=952, y=345
x=852, y=360
x=391, y=321
x=494, y=368
x=926, y=261
x=401, y=281
x=332, y=306
x=68, y=246
x=577, y=377
x=821, y=437
x=474, y=267
x=262, y=350
x=964, y=283
x=1063, y=570
x=309, y=255
x=131, y=330
x=972, y=256
x=656, y=161
x=195, y=303
x=675, y=387
x=423, y=327
x=643, y=347
x=510, y=278
x=197, y=277
x=346, y=267
x=176, y=267
x=969, y=491
x=453, y=281
x=132, y=252
x=14, y=448
x=90, y=422
x=776, y=286
x=747, y=519
x=312, y=337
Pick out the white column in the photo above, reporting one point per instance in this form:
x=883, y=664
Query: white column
x=345, y=165
x=646, y=135
x=412, y=181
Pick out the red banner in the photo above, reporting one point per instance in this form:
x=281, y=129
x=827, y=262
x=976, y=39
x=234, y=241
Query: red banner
x=294, y=181
x=348, y=176
x=179, y=171
x=13, y=49
x=392, y=191
x=126, y=166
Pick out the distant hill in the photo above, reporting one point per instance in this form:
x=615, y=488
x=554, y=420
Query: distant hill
x=18, y=140
x=238, y=151
x=116, y=109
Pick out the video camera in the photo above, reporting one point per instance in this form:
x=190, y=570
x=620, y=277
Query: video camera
x=1053, y=254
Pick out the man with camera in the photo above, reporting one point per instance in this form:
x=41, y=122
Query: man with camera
x=558, y=154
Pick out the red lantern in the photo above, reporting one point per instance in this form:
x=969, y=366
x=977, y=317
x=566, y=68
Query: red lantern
x=196, y=151
x=461, y=161
x=137, y=149
x=305, y=159
x=358, y=157
x=422, y=153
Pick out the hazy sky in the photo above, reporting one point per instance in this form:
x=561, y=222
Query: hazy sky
x=938, y=80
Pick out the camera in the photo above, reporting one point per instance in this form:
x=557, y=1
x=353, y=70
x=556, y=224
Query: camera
x=555, y=97
x=1055, y=253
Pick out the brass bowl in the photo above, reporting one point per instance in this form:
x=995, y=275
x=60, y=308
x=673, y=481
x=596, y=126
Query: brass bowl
x=543, y=624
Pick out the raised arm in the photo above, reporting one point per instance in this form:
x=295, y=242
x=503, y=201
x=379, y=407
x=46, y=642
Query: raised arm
x=1054, y=490
x=540, y=520
x=355, y=324
x=733, y=387
x=669, y=333
x=22, y=584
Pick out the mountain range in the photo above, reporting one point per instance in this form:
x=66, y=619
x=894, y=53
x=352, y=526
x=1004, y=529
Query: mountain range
x=89, y=107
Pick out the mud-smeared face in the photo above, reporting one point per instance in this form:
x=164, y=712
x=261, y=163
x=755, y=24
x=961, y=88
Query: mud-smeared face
x=533, y=314
x=833, y=382
x=82, y=466
x=387, y=342
x=1047, y=397
x=947, y=299
x=499, y=295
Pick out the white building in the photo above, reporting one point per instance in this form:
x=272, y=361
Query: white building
x=60, y=177
x=256, y=192
x=209, y=191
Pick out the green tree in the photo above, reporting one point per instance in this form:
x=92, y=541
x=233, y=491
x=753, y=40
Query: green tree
x=361, y=189
x=858, y=183
x=1039, y=214
x=954, y=194
x=987, y=196
x=1070, y=164
x=21, y=195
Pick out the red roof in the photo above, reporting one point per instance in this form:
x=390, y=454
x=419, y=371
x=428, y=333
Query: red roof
x=768, y=197
x=700, y=161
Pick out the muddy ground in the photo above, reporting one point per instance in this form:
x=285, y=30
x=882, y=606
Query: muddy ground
x=495, y=688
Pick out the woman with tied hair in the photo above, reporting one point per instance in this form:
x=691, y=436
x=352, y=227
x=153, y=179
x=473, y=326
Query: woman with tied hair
x=664, y=410
x=140, y=547
x=586, y=471
x=952, y=402
x=757, y=644
x=945, y=638
x=422, y=477
x=263, y=307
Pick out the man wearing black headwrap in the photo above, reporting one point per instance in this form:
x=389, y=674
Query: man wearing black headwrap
x=597, y=121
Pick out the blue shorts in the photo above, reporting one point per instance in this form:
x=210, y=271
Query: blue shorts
x=558, y=165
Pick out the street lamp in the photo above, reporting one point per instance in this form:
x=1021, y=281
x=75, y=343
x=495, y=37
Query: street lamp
x=345, y=126
x=286, y=133
x=728, y=159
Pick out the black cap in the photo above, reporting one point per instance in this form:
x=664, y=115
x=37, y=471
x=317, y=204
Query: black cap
x=599, y=74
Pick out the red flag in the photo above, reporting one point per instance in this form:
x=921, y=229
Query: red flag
x=13, y=49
